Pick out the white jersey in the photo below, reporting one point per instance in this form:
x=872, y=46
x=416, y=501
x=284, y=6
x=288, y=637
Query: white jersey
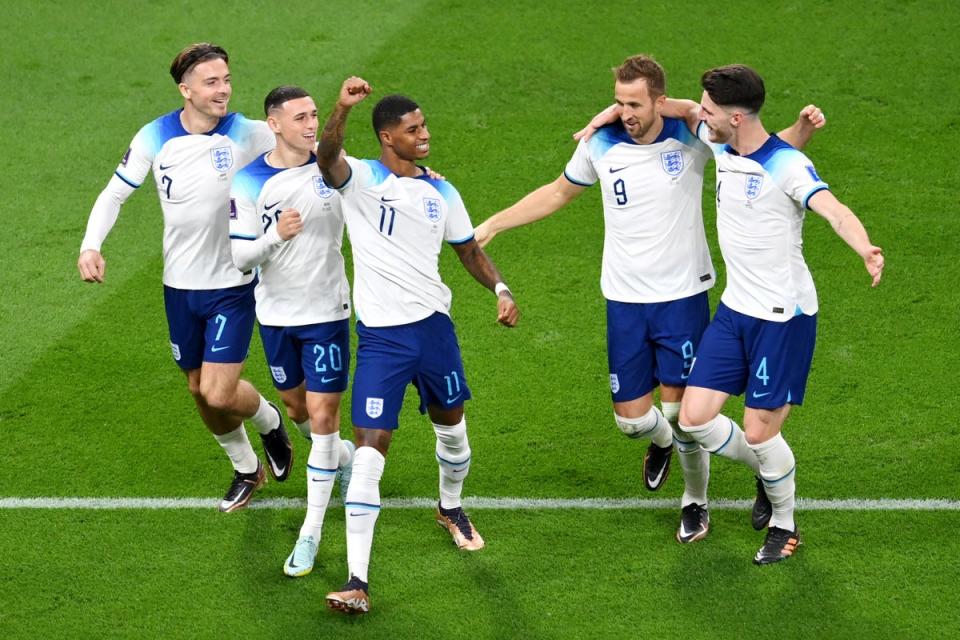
x=655, y=247
x=761, y=200
x=397, y=227
x=193, y=173
x=302, y=280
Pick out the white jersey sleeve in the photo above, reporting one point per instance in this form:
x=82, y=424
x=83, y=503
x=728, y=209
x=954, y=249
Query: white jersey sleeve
x=581, y=170
x=796, y=176
x=249, y=243
x=458, y=228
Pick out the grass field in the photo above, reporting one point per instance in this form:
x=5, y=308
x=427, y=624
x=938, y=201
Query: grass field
x=91, y=404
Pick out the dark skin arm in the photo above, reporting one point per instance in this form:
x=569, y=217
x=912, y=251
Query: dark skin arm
x=333, y=166
x=481, y=267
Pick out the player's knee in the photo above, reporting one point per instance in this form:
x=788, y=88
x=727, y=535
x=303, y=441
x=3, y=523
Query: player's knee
x=217, y=397
x=324, y=422
x=694, y=418
x=637, y=427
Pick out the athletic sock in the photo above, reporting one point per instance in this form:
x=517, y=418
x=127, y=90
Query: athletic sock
x=345, y=453
x=650, y=425
x=321, y=470
x=238, y=449
x=265, y=419
x=695, y=462
x=304, y=428
x=778, y=473
x=453, y=456
x=362, y=508
x=722, y=436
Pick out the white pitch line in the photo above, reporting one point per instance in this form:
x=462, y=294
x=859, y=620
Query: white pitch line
x=803, y=504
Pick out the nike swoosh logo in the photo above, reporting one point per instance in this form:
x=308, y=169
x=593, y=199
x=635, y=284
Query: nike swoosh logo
x=278, y=471
x=453, y=399
x=362, y=513
x=458, y=470
x=656, y=480
x=384, y=199
x=293, y=564
x=164, y=168
x=760, y=395
x=325, y=379
x=267, y=207
x=215, y=349
x=321, y=479
x=612, y=170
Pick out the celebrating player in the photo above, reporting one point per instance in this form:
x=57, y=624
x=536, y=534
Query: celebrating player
x=398, y=217
x=656, y=265
x=761, y=340
x=286, y=220
x=194, y=151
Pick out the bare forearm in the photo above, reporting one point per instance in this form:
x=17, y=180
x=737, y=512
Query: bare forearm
x=536, y=205
x=331, y=139
x=479, y=265
x=852, y=231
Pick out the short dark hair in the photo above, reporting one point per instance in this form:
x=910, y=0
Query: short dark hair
x=276, y=98
x=735, y=85
x=390, y=110
x=194, y=55
x=646, y=68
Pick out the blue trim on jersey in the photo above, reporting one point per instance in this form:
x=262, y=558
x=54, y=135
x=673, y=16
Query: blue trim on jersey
x=765, y=154
x=241, y=236
x=380, y=171
x=463, y=241
x=251, y=178
x=816, y=190
x=132, y=184
x=345, y=182
x=607, y=137
x=675, y=129
x=444, y=188
x=576, y=182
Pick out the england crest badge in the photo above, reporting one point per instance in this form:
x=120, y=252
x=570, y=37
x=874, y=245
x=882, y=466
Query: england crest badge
x=752, y=186
x=222, y=158
x=279, y=374
x=374, y=407
x=321, y=188
x=431, y=207
x=672, y=162
x=614, y=383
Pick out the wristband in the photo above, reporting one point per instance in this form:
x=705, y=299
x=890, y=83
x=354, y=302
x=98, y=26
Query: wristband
x=500, y=288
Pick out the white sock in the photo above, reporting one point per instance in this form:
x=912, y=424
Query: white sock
x=265, y=419
x=695, y=462
x=304, y=428
x=453, y=456
x=362, y=508
x=345, y=454
x=722, y=436
x=651, y=425
x=321, y=470
x=239, y=450
x=778, y=472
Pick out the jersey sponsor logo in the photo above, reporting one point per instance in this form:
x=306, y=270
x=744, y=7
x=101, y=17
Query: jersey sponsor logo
x=321, y=188
x=614, y=383
x=810, y=170
x=279, y=374
x=431, y=207
x=126, y=157
x=233, y=209
x=374, y=407
x=752, y=186
x=176, y=351
x=672, y=162
x=222, y=158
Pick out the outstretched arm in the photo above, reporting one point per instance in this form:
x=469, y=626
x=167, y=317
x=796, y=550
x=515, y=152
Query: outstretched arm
x=481, y=267
x=333, y=165
x=848, y=226
x=536, y=205
x=799, y=133
x=687, y=110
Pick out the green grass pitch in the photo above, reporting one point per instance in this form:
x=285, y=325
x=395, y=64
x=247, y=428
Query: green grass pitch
x=91, y=404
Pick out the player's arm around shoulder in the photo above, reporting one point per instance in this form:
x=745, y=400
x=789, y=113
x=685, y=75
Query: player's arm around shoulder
x=680, y=109
x=330, y=158
x=536, y=205
x=848, y=226
x=481, y=267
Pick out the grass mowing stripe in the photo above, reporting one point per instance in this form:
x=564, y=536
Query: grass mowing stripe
x=808, y=504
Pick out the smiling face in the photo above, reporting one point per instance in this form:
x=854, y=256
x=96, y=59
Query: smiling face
x=640, y=112
x=721, y=122
x=295, y=123
x=206, y=88
x=409, y=139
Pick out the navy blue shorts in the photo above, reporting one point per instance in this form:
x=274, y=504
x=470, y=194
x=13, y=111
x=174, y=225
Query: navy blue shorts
x=210, y=325
x=318, y=353
x=768, y=360
x=653, y=343
x=425, y=353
